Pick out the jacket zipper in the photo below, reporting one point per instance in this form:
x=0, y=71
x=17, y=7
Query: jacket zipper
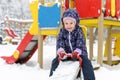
x=69, y=38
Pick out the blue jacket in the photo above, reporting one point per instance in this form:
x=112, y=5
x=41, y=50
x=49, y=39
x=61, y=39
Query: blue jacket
x=76, y=37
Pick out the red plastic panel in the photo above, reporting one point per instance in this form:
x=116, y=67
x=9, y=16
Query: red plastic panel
x=66, y=4
x=108, y=8
x=88, y=8
x=117, y=3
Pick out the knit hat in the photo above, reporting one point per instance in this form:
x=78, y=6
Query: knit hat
x=70, y=14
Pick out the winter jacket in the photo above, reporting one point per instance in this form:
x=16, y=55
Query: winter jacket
x=76, y=38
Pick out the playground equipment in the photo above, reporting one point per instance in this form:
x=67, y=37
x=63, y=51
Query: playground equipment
x=73, y=68
x=110, y=51
x=88, y=8
x=29, y=43
x=114, y=45
x=108, y=23
x=11, y=33
x=112, y=8
x=117, y=8
x=107, y=5
x=50, y=28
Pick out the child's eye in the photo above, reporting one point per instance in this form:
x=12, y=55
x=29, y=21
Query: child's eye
x=66, y=23
x=71, y=23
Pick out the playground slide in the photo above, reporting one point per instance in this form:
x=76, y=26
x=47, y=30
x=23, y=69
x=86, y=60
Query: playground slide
x=29, y=44
x=24, y=51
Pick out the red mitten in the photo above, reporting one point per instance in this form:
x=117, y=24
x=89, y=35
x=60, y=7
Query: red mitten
x=75, y=54
x=61, y=55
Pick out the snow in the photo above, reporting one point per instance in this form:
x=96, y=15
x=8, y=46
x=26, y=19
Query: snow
x=32, y=71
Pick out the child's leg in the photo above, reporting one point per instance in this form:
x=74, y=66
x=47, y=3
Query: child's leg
x=54, y=65
x=87, y=68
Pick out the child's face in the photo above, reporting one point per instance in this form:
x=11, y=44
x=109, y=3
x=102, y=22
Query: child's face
x=69, y=24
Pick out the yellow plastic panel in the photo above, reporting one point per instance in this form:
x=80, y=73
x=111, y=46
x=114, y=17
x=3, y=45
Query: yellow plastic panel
x=34, y=11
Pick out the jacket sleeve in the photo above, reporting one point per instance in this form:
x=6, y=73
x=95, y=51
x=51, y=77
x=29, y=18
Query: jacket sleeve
x=60, y=40
x=81, y=41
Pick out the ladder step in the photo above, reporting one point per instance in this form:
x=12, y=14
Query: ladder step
x=33, y=40
x=27, y=50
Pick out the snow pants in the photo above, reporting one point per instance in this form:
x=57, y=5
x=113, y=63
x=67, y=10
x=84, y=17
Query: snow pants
x=87, y=68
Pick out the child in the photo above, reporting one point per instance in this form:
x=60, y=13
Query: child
x=71, y=40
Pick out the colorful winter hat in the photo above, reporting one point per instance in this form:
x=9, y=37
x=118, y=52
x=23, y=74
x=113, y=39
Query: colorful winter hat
x=71, y=14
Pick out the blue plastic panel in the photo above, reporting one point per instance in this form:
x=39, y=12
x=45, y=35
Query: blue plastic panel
x=49, y=16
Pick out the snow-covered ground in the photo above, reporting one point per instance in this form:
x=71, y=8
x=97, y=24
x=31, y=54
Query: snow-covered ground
x=32, y=71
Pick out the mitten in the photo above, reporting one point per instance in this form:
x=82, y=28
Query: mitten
x=76, y=53
x=61, y=55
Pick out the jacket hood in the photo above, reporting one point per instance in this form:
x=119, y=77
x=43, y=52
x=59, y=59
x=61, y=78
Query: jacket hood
x=72, y=13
